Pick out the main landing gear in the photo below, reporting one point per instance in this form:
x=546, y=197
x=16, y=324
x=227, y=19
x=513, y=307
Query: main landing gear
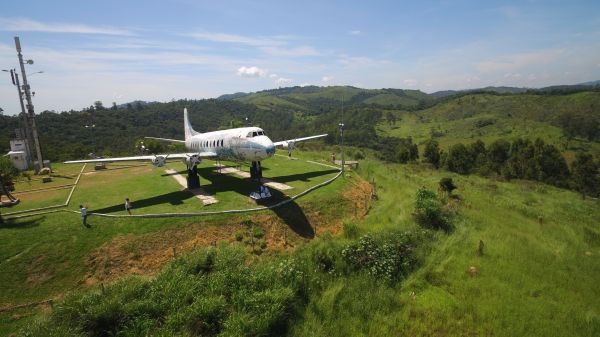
x=255, y=171
x=193, y=180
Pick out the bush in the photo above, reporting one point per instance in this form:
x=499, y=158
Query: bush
x=429, y=211
x=447, y=185
x=238, y=236
x=388, y=257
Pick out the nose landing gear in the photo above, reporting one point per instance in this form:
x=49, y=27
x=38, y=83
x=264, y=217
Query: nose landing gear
x=193, y=180
x=256, y=171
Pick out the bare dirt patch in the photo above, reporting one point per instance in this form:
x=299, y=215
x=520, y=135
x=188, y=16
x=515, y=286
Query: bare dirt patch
x=146, y=254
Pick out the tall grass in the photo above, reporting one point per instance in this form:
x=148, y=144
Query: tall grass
x=223, y=291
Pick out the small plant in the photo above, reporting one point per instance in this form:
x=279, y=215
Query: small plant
x=238, y=236
x=261, y=243
x=258, y=232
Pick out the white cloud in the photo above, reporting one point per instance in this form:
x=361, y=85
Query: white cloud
x=327, y=79
x=410, y=82
x=355, y=32
x=238, y=39
x=251, y=72
x=510, y=63
x=283, y=80
x=28, y=25
x=291, y=52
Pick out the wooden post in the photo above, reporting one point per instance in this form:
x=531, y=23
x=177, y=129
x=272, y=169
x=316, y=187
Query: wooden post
x=174, y=252
x=480, y=249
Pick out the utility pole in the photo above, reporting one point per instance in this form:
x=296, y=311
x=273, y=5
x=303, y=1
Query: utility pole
x=30, y=111
x=14, y=76
x=25, y=119
x=342, y=136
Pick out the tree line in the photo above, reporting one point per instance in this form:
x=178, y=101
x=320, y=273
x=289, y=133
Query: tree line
x=519, y=159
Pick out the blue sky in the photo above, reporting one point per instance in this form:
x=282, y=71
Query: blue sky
x=119, y=51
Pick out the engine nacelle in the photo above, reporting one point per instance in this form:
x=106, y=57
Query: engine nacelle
x=192, y=161
x=289, y=145
x=159, y=161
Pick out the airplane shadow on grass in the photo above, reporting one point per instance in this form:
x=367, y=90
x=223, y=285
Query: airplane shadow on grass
x=173, y=198
x=290, y=213
x=214, y=183
x=20, y=223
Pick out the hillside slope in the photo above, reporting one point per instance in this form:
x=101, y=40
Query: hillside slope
x=489, y=117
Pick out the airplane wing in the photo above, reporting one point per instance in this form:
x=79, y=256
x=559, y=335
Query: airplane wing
x=14, y=152
x=287, y=143
x=155, y=159
x=167, y=139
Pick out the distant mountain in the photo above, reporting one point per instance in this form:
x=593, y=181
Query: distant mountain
x=590, y=83
x=316, y=98
x=499, y=90
x=232, y=96
x=517, y=90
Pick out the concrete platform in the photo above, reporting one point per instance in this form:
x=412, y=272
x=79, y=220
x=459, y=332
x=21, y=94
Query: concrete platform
x=198, y=192
x=267, y=182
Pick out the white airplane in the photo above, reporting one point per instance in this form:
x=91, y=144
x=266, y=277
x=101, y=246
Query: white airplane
x=248, y=144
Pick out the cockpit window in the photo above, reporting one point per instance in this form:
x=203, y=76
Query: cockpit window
x=255, y=134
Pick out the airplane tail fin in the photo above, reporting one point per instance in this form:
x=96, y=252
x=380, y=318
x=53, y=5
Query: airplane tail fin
x=187, y=127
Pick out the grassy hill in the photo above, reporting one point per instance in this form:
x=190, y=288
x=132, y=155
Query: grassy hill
x=320, y=98
x=535, y=277
x=537, y=274
x=489, y=117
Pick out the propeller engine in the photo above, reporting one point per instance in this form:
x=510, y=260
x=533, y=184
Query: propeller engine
x=192, y=161
x=159, y=161
x=290, y=146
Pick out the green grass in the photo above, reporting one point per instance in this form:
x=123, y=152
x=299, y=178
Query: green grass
x=534, y=279
x=46, y=256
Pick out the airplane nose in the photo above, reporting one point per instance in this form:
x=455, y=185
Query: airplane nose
x=269, y=147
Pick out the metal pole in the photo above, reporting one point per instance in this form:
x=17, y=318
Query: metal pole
x=25, y=119
x=30, y=110
x=342, y=144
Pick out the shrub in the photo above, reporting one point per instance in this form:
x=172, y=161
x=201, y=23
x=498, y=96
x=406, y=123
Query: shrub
x=388, y=257
x=238, y=236
x=447, y=185
x=429, y=211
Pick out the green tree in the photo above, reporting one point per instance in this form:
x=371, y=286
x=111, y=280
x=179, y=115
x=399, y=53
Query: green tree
x=497, y=154
x=406, y=151
x=431, y=153
x=459, y=159
x=98, y=106
x=585, y=175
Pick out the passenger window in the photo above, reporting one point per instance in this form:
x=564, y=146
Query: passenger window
x=249, y=135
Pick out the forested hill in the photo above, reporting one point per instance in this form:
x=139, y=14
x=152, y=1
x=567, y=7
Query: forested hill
x=372, y=118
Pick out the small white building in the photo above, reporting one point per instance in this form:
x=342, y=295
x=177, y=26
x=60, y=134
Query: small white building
x=19, y=154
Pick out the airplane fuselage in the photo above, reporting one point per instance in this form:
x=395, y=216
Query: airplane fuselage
x=240, y=144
